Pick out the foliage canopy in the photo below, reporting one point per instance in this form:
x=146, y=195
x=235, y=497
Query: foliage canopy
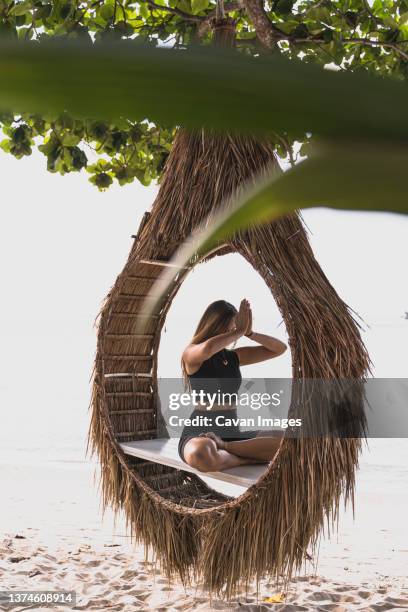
x=353, y=35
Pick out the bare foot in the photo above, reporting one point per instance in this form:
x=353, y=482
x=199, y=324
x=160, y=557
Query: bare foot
x=219, y=442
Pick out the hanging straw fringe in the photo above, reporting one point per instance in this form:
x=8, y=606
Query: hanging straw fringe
x=196, y=532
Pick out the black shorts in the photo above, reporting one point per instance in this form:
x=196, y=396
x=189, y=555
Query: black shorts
x=231, y=433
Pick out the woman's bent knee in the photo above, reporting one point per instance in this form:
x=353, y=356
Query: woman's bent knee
x=202, y=454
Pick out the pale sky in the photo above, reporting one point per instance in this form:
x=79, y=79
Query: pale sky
x=63, y=243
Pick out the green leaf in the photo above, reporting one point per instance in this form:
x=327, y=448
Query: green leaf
x=199, y=5
x=203, y=87
x=348, y=177
x=5, y=145
x=288, y=25
x=184, y=5
x=101, y=180
x=42, y=12
x=378, y=8
x=390, y=22
x=66, y=156
x=21, y=8
x=283, y=7
x=106, y=12
x=70, y=140
x=144, y=10
x=7, y=118
x=353, y=177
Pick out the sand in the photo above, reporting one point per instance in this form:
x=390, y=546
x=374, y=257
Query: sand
x=52, y=537
x=115, y=577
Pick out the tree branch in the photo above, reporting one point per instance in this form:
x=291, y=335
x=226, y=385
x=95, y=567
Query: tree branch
x=175, y=11
x=267, y=32
x=263, y=26
x=228, y=6
x=377, y=43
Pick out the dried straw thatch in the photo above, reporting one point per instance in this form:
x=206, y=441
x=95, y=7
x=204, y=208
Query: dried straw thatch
x=198, y=533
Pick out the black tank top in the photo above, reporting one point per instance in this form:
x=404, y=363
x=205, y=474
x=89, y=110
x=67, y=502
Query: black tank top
x=218, y=373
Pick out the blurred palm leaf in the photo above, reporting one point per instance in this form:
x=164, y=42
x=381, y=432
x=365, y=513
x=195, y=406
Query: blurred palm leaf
x=226, y=91
x=203, y=86
x=353, y=178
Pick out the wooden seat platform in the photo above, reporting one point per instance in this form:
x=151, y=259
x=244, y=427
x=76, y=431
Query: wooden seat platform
x=164, y=451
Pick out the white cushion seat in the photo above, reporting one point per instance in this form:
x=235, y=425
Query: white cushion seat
x=164, y=451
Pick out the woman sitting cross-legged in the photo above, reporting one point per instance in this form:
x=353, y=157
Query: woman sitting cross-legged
x=209, y=365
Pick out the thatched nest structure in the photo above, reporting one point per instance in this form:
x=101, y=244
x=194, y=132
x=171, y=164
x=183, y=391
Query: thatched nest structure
x=196, y=532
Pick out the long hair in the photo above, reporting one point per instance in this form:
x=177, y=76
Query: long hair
x=215, y=320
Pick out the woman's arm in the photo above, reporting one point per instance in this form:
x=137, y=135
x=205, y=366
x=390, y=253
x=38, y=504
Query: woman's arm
x=269, y=347
x=194, y=355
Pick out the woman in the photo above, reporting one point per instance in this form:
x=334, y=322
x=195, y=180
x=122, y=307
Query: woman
x=208, y=365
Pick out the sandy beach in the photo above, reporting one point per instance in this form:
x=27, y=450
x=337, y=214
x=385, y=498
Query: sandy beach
x=54, y=538
x=112, y=577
